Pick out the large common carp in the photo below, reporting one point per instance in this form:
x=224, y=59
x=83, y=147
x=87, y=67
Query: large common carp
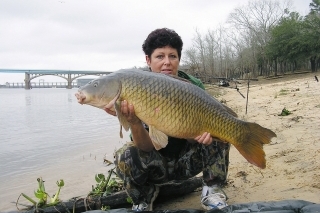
x=173, y=107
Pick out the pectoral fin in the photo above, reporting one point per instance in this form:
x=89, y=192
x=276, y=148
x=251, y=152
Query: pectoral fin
x=123, y=121
x=121, y=135
x=159, y=139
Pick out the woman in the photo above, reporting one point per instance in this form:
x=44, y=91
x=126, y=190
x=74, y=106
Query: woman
x=141, y=166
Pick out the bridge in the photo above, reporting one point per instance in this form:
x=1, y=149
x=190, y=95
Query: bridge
x=65, y=74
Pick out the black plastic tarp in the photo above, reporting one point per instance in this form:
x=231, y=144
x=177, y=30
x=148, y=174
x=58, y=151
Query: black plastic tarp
x=285, y=206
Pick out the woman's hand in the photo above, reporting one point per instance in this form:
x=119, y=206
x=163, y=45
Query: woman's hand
x=204, y=139
x=140, y=135
x=127, y=111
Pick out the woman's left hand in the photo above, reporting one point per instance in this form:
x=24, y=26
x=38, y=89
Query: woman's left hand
x=204, y=139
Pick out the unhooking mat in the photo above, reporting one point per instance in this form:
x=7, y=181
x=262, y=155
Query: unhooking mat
x=285, y=206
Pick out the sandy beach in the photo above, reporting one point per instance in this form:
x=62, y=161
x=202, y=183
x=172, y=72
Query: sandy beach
x=293, y=158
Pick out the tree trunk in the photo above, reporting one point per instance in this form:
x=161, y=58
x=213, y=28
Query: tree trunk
x=313, y=64
x=317, y=64
x=285, y=67
x=275, y=67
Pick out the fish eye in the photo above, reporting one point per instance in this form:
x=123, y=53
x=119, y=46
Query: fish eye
x=95, y=84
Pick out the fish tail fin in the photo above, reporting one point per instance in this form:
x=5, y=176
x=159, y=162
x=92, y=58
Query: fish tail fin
x=252, y=148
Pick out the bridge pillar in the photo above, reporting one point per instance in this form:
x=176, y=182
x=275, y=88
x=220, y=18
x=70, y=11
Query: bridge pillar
x=27, y=80
x=69, y=82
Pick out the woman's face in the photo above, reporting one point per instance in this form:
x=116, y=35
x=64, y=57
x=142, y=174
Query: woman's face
x=164, y=60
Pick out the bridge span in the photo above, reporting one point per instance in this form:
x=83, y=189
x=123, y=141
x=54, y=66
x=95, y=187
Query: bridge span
x=68, y=75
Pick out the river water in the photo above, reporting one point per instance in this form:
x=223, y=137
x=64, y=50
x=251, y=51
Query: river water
x=46, y=133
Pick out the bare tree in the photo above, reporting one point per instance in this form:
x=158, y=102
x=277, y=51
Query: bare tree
x=199, y=44
x=255, y=21
x=192, y=60
x=212, y=54
x=211, y=46
x=238, y=47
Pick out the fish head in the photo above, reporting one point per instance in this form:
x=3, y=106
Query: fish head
x=101, y=92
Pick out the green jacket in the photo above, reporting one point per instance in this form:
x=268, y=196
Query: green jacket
x=192, y=79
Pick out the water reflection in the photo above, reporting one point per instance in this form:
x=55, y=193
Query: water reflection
x=28, y=100
x=70, y=98
x=46, y=133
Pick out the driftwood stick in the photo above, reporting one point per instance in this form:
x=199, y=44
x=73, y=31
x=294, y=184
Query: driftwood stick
x=119, y=199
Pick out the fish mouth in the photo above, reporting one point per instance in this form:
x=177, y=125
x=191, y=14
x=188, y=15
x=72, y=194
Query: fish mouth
x=80, y=97
x=87, y=99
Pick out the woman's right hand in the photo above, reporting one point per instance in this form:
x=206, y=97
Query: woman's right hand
x=127, y=111
x=139, y=134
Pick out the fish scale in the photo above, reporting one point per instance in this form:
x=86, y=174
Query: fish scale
x=178, y=110
x=174, y=107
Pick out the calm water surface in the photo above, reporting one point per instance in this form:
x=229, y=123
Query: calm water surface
x=46, y=133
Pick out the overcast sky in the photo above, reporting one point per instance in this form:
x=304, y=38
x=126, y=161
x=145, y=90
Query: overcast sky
x=101, y=35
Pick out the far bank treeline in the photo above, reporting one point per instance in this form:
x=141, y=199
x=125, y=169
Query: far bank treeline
x=262, y=38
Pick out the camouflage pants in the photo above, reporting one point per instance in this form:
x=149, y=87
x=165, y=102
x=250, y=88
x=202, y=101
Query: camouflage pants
x=141, y=170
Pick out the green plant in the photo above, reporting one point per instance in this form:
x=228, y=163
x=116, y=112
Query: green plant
x=104, y=208
x=42, y=195
x=129, y=200
x=283, y=92
x=285, y=112
x=106, y=186
x=55, y=198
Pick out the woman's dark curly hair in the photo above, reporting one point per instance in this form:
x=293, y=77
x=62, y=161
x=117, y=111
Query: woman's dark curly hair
x=160, y=38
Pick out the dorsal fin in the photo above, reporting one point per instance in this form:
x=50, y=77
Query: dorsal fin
x=178, y=78
x=230, y=111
